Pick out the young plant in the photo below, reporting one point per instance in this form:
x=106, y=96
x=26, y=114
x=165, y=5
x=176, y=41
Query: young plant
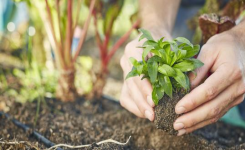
x=108, y=11
x=167, y=69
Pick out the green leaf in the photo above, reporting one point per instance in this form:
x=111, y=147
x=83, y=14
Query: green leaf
x=183, y=40
x=155, y=59
x=157, y=94
x=165, y=82
x=145, y=52
x=185, y=66
x=197, y=63
x=174, y=46
x=167, y=70
x=150, y=43
x=177, y=56
x=181, y=79
x=133, y=61
x=145, y=34
x=152, y=71
x=191, y=51
x=132, y=73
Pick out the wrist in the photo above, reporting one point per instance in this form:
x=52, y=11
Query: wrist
x=158, y=32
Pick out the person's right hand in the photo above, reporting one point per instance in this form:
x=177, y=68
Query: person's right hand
x=136, y=93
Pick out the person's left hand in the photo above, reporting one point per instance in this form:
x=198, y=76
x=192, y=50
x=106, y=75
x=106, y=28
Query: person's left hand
x=224, y=57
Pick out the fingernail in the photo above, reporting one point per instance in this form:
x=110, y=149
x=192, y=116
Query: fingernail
x=149, y=115
x=181, y=132
x=180, y=110
x=150, y=101
x=178, y=126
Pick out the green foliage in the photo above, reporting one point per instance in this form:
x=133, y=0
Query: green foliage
x=36, y=83
x=167, y=69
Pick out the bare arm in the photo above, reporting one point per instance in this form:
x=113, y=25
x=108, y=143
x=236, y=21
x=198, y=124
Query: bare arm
x=158, y=15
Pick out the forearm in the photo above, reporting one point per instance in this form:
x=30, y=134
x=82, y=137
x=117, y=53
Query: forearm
x=158, y=14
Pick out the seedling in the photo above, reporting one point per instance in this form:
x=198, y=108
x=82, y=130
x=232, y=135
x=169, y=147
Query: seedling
x=167, y=69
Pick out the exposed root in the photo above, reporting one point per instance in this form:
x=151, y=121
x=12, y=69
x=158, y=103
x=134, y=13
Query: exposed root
x=82, y=146
x=16, y=145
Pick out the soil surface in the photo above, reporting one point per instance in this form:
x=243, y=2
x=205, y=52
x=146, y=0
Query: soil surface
x=165, y=112
x=87, y=123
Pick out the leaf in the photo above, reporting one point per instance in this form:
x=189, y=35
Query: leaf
x=181, y=79
x=132, y=73
x=191, y=51
x=185, y=66
x=145, y=52
x=155, y=59
x=152, y=71
x=188, y=65
x=145, y=34
x=165, y=82
x=183, y=40
x=174, y=46
x=157, y=94
x=197, y=63
x=167, y=70
x=133, y=61
x=179, y=55
x=150, y=43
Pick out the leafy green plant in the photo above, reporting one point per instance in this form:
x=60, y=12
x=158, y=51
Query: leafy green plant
x=167, y=69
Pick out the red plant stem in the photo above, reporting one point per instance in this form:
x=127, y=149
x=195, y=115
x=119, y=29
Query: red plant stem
x=60, y=53
x=120, y=42
x=77, y=14
x=97, y=35
x=69, y=34
x=58, y=13
x=85, y=29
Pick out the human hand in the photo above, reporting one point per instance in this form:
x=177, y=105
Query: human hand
x=223, y=56
x=136, y=93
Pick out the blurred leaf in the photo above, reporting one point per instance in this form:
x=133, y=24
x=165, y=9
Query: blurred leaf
x=165, y=82
x=145, y=34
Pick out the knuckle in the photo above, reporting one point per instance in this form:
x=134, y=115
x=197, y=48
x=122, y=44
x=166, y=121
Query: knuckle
x=193, y=122
x=236, y=73
x=210, y=93
x=214, y=120
x=193, y=103
x=214, y=112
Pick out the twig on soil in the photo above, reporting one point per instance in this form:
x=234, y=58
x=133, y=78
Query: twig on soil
x=18, y=143
x=82, y=146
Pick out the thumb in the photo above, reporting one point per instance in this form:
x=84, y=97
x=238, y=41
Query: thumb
x=208, y=57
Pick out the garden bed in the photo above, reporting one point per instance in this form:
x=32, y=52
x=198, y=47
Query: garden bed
x=86, y=123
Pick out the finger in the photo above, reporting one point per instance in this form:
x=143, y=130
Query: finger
x=145, y=88
x=127, y=102
x=139, y=100
x=210, y=109
x=213, y=85
x=208, y=60
x=212, y=120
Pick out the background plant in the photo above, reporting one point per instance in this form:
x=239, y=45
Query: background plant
x=107, y=12
x=167, y=69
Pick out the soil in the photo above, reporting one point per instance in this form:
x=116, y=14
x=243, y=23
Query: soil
x=165, y=112
x=83, y=122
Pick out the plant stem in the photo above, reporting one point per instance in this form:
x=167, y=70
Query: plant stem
x=69, y=34
x=59, y=20
x=77, y=14
x=121, y=41
x=85, y=29
x=59, y=52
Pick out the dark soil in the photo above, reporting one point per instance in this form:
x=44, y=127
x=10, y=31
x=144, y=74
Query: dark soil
x=84, y=123
x=165, y=112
